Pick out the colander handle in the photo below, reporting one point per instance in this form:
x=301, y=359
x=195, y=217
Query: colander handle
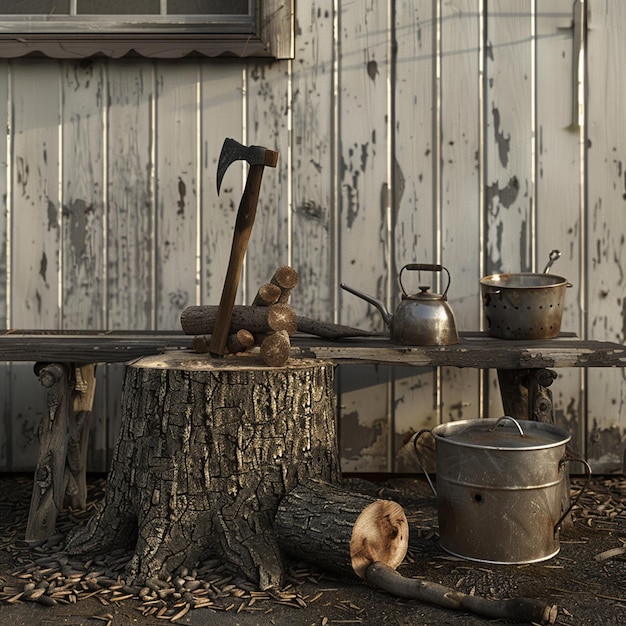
x=569, y=459
x=420, y=460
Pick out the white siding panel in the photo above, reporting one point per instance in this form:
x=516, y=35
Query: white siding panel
x=459, y=185
x=130, y=197
x=268, y=108
x=178, y=137
x=364, y=216
x=415, y=203
x=606, y=223
x=221, y=116
x=6, y=423
x=558, y=187
x=313, y=209
x=35, y=235
x=508, y=137
x=408, y=131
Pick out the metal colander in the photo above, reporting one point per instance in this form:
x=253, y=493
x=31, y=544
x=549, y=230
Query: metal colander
x=523, y=306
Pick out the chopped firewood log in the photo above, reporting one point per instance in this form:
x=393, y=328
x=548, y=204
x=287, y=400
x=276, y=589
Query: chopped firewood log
x=240, y=341
x=200, y=344
x=267, y=294
x=340, y=530
x=276, y=348
x=199, y=320
x=286, y=278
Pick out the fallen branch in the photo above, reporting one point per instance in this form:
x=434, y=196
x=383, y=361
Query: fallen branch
x=515, y=609
x=329, y=330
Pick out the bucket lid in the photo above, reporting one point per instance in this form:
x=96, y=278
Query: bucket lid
x=504, y=433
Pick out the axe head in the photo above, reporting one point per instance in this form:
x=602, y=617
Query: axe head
x=234, y=151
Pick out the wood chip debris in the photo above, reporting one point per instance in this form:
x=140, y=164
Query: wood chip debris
x=46, y=576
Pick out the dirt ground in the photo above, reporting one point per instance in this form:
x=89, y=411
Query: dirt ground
x=39, y=585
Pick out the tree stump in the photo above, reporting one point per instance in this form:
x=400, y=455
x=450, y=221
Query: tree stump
x=207, y=449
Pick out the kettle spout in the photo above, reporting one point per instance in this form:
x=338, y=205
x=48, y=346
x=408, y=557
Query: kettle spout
x=373, y=301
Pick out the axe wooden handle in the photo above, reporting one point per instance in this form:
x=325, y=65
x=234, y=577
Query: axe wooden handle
x=241, y=236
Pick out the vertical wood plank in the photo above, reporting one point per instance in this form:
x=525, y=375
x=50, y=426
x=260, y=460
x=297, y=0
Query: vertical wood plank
x=35, y=218
x=364, y=218
x=6, y=423
x=130, y=202
x=268, y=104
x=508, y=137
x=459, y=185
x=130, y=197
x=35, y=236
x=313, y=209
x=606, y=224
x=83, y=222
x=509, y=132
x=221, y=117
x=414, y=211
x=558, y=186
x=177, y=181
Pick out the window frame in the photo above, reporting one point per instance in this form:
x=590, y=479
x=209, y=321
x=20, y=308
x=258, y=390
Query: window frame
x=272, y=37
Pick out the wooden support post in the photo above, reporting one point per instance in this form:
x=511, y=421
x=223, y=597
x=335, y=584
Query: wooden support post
x=60, y=476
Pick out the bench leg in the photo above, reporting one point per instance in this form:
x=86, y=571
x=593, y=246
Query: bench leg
x=48, y=487
x=60, y=476
x=525, y=394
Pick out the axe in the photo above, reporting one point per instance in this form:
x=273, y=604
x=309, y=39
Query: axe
x=258, y=158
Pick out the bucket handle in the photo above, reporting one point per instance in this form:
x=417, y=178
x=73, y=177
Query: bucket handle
x=420, y=460
x=508, y=417
x=562, y=462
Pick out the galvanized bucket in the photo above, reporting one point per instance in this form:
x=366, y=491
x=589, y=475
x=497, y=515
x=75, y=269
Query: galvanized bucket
x=499, y=486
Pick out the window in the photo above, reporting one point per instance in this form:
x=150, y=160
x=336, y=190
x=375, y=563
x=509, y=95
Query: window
x=149, y=28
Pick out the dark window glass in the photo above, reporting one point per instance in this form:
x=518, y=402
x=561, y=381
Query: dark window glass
x=118, y=7
x=35, y=7
x=206, y=7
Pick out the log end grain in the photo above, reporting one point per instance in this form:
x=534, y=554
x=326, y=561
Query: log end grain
x=380, y=533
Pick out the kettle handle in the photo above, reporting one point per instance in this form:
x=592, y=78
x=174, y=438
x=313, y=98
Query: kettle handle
x=426, y=267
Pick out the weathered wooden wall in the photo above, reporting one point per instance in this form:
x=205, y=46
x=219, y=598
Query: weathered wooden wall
x=411, y=130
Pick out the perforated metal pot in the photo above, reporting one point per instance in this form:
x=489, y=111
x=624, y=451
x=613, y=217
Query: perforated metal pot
x=523, y=306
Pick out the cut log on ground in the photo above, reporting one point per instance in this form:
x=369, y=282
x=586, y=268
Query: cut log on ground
x=206, y=451
x=351, y=533
x=200, y=320
x=339, y=530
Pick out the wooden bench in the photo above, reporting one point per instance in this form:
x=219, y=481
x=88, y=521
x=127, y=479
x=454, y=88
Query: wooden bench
x=65, y=363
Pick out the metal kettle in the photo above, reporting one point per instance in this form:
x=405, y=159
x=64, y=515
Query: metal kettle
x=421, y=319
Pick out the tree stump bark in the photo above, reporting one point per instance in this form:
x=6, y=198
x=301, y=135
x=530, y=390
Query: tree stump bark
x=207, y=449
